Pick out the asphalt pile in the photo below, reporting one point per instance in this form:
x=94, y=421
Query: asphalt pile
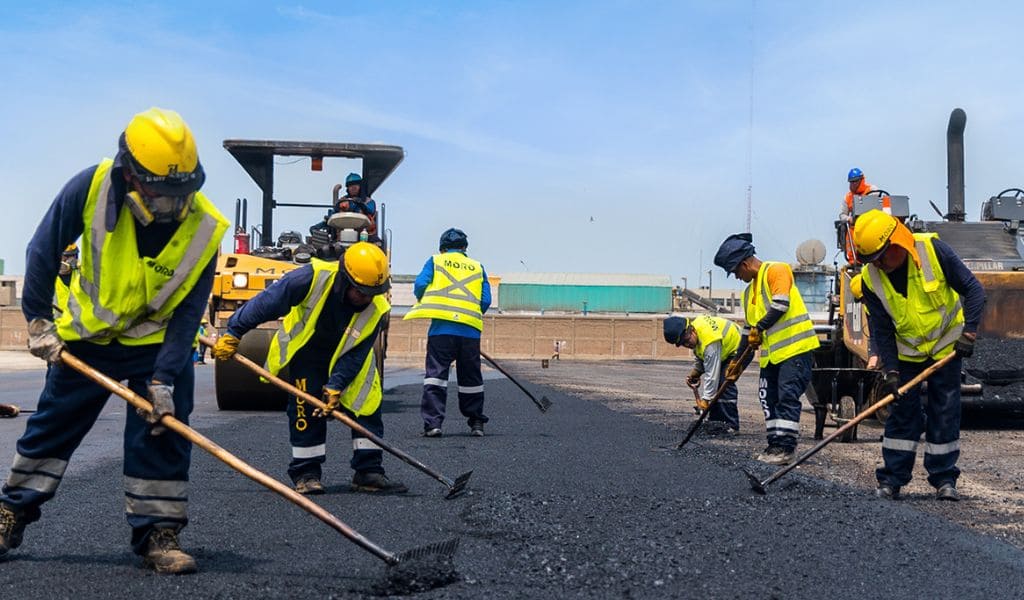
x=997, y=361
x=568, y=504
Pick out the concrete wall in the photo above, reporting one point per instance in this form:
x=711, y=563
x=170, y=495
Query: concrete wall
x=13, y=334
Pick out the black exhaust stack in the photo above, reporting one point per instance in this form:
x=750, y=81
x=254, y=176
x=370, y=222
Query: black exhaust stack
x=955, y=164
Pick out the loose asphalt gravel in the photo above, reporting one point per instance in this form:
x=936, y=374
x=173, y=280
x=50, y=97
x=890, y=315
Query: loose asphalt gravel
x=572, y=503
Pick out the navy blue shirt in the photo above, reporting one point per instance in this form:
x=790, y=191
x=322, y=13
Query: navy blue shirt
x=442, y=326
x=277, y=301
x=62, y=225
x=958, y=277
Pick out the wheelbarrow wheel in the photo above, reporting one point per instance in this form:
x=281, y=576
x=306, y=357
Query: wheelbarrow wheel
x=847, y=411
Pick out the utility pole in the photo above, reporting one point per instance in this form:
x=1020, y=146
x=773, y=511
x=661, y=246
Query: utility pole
x=750, y=122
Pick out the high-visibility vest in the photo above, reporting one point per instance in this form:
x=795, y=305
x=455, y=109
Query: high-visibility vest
x=454, y=292
x=792, y=334
x=61, y=291
x=930, y=318
x=712, y=329
x=363, y=394
x=117, y=294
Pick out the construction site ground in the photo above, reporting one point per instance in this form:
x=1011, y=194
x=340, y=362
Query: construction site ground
x=571, y=503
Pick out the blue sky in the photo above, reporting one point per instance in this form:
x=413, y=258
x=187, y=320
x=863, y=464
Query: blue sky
x=597, y=136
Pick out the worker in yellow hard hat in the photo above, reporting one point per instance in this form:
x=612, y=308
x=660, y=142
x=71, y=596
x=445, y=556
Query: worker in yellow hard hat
x=923, y=304
x=332, y=315
x=149, y=240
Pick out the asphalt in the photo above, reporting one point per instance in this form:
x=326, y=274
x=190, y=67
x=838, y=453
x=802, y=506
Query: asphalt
x=571, y=503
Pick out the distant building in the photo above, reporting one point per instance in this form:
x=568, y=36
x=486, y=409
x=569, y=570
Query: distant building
x=585, y=293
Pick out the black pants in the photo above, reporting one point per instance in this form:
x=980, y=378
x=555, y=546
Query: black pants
x=465, y=352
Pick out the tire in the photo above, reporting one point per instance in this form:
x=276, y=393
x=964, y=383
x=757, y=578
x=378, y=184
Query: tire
x=237, y=387
x=847, y=411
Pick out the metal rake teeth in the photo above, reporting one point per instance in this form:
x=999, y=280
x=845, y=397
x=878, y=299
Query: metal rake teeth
x=444, y=550
x=545, y=404
x=755, y=483
x=459, y=486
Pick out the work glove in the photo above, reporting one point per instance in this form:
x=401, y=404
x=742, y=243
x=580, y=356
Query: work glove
x=225, y=348
x=965, y=345
x=754, y=338
x=343, y=206
x=702, y=404
x=693, y=378
x=733, y=371
x=332, y=398
x=161, y=396
x=43, y=340
x=891, y=384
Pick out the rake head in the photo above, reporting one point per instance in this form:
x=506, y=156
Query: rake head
x=544, y=404
x=459, y=486
x=755, y=483
x=421, y=569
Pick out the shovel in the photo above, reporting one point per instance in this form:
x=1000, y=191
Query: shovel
x=455, y=486
x=543, y=404
x=443, y=551
x=761, y=487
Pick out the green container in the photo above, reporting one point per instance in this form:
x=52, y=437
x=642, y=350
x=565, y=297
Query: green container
x=585, y=293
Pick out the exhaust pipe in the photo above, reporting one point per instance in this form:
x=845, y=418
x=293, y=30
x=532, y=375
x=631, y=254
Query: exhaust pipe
x=955, y=164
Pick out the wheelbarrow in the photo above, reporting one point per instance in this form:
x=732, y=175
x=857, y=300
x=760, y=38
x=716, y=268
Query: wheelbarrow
x=842, y=393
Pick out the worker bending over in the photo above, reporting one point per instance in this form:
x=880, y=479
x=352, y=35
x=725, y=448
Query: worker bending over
x=332, y=315
x=776, y=322
x=714, y=342
x=149, y=244
x=923, y=303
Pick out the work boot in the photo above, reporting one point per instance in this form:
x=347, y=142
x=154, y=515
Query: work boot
x=476, y=429
x=947, y=491
x=432, y=432
x=164, y=555
x=12, y=527
x=777, y=455
x=887, y=492
x=309, y=485
x=376, y=483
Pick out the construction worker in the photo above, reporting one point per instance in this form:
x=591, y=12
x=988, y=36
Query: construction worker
x=923, y=304
x=857, y=291
x=331, y=322
x=453, y=292
x=858, y=187
x=714, y=341
x=200, y=351
x=355, y=200
x=149, y=244
x=776, y=322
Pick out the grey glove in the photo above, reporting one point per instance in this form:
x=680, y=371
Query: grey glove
x=43, y=340
x=161, y=396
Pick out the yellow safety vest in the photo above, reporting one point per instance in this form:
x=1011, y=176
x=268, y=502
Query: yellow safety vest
x=792, y=334
x=712, y=329
x=930, y=318
x=363, y=394
x=61, y=291
x=120, y=295
x=454, y=292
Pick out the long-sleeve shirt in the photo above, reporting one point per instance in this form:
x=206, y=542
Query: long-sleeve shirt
x=711, y=369
x=64, y=222
x=278, y=299
x=441, y=326
x=958, y=277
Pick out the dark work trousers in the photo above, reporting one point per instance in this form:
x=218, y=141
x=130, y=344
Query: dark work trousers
x=939, y=419
x=308, y=434
x=780, y=388
x=155, y=467
x=726, y=410
x=441, y=351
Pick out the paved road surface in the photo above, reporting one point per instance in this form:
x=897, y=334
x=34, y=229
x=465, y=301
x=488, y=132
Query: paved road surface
x=569, y=504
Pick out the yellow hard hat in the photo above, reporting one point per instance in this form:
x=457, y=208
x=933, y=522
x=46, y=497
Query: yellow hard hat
x=366, y=267
x=872, y=234
x=857, y=286
x=163, y=152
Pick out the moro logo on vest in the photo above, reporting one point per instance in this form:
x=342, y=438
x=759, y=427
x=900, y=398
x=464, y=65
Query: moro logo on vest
x=165, y=271
x=454, y=264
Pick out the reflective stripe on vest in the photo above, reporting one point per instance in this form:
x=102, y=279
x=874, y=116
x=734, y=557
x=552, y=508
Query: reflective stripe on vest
x=454, y=292
x=363, y=394
x=136, y=299
x=792, y=334
x=712, y=329
x=930, y=318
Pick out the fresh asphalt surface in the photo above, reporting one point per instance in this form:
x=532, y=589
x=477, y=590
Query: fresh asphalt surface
x=569, y=503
